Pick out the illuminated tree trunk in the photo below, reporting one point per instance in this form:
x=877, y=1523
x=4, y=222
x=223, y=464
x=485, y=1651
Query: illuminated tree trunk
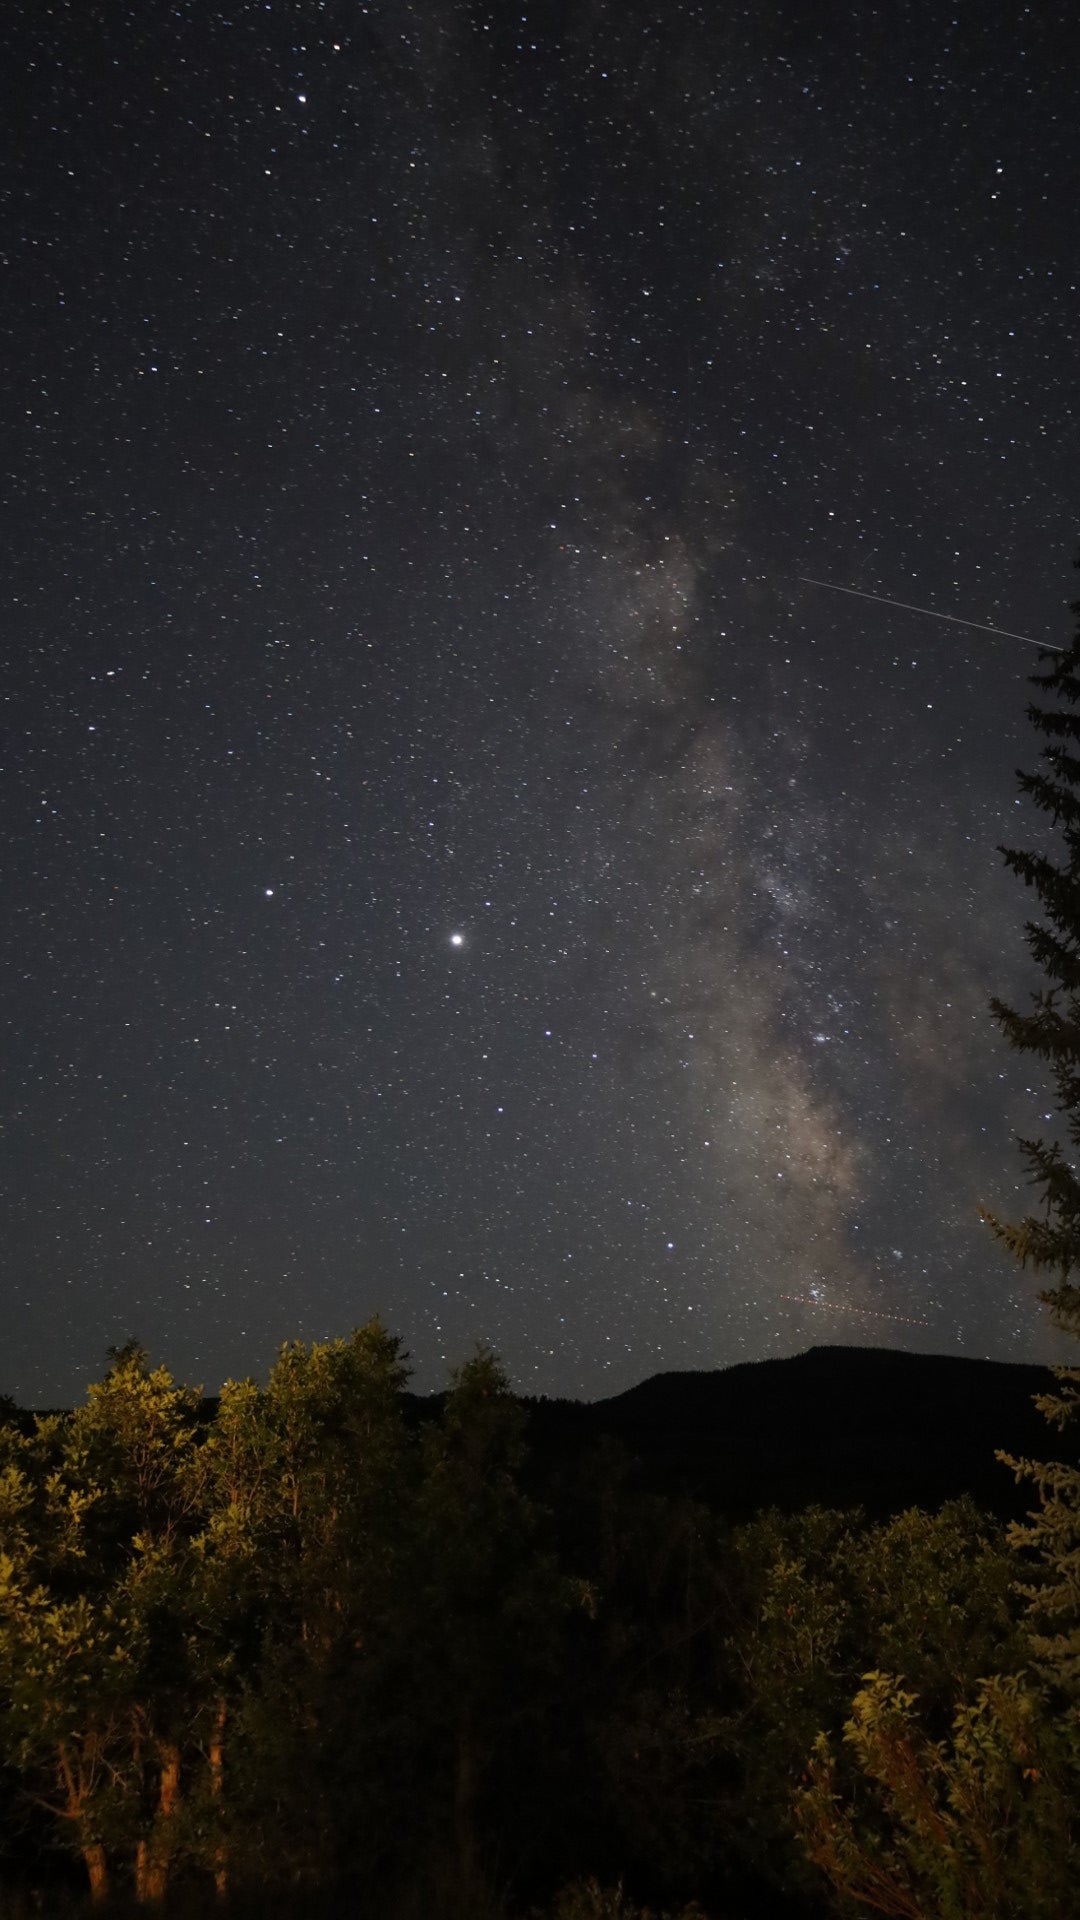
x=217, y=1789
x=153, y=1857
x=74, y=1775
x=97, y=1869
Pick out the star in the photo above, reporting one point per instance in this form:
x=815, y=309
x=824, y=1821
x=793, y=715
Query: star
x=700, y=789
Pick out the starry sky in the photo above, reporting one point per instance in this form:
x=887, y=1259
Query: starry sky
x=456, y=866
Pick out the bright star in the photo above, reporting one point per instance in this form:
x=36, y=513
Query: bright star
x=457, y=939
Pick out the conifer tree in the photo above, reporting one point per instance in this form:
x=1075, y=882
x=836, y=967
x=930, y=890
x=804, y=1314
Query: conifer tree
x=1049, y=1240
x=980, y=1823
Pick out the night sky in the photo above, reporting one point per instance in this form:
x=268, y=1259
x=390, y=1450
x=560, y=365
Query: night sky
x=454, y=867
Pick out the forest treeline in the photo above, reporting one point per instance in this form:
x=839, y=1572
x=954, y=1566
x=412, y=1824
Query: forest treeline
x=306, y=1645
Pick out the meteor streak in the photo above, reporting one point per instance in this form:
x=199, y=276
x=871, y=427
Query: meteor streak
x=953, y=618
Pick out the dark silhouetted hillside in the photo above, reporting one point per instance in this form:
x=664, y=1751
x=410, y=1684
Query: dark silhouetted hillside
x=841, y=1426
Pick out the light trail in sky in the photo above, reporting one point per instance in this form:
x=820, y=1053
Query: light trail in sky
x=954, y=619
x=864, y=1313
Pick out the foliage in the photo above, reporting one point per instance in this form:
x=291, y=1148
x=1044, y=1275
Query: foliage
x=1050, y=1240
x=95, y=1603
x=304, y=1484
x=484, y=1621
x=642, y=1752
x=982, y=1821
x=589, y=1900
x=1051, y=1030
x=980, y=1825
x=820, y=1594
x=317, y=1643
x=151, y=1563
x=1052, y=1585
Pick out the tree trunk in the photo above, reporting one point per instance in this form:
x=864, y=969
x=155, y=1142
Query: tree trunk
x=217, y=1792
x=153, y=1857
x=76, y=1786
x=93, y=1854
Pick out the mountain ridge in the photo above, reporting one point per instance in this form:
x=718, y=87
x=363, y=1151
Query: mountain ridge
x=875, y=1427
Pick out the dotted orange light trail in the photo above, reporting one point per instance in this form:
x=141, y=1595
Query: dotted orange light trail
x=868, y=1313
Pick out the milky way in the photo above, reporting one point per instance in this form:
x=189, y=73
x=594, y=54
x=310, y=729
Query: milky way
x=455, y=867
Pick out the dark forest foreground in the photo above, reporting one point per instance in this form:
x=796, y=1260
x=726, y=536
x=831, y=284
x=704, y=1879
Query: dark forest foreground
x=313, y=1649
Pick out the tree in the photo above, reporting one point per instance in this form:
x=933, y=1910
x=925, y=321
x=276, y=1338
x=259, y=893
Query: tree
x=159, y=1567
x=977, y=1826
x=95, y=1529
x=825, y=1596
x=484, y=1624
x=981, y=1823
x=1049, y=1240
x=1051, y=1030
x=404, y=1616
x=308, y=1488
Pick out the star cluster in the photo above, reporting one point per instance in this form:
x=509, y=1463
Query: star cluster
x=456, y=867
